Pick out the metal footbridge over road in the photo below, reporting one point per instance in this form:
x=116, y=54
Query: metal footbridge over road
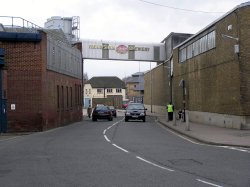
x=123, y=51
x=22, y=29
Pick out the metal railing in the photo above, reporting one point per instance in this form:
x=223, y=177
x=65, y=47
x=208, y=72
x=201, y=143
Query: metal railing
x=18, y=24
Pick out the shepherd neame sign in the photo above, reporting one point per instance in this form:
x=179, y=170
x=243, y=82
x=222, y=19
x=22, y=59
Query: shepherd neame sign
x=119, y=48
x=112, y=50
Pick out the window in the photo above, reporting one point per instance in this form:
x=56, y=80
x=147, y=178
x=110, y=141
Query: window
x=109, y=90
x=62, y=98
x=58, y=97
x=196, y=48
x=67, y=96
x=183, y=55
x=99, y=90
x=89, y=91
x=86, y=91
x=75, y=95
x=70, y=96
x=80, y=94
x=190, y=51
x=211, y=40
x=202, y=45
x=118, y=90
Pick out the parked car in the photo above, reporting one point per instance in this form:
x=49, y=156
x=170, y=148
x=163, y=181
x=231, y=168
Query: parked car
x=125, y=104
x=112, y=108
x=102, y=112
x=135, y=111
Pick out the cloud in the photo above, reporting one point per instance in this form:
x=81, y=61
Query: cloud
x=123, y=20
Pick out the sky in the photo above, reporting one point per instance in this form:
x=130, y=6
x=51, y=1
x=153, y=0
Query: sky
x=123, y=20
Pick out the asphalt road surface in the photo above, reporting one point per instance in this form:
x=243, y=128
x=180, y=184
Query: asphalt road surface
x=118, y=153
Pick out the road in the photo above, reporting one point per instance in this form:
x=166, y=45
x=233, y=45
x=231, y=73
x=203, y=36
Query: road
x=118, y=153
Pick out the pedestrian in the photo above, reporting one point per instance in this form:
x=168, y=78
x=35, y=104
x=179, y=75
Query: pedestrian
x=170, y=109
x=89, y=110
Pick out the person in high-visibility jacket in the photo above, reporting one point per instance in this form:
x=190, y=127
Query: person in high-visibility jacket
x=170, y=109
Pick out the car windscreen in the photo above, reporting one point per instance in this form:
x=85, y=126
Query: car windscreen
x=135, y=107
x=102, y=108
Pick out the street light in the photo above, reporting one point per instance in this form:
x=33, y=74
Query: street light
x=182, y=84
x=236, y=47
x=230, y=37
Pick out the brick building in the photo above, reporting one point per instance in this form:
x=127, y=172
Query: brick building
x=42, y=78
x=212, y=72
x=157, y=81
x=135, y=87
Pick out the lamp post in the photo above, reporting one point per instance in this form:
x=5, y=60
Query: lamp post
x=151, y=90
x=182, y=84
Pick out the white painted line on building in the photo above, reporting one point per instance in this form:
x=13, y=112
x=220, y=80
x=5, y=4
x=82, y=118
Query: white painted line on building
x=120, y=148
x=209, y=183
x=151, y=163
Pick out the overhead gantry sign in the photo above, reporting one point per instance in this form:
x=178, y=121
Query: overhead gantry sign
x=108, y=50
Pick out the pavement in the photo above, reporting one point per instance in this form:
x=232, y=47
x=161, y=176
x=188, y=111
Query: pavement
x=206, y=133
x=200, y=132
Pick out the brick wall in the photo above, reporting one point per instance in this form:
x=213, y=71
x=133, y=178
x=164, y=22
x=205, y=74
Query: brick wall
x=33, y=89
x=160, y=86
x=244, y=25
x=64, y=106
x=23, y=85
x=217, y=81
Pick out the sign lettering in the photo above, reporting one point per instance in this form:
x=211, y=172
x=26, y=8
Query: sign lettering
x=120, y=48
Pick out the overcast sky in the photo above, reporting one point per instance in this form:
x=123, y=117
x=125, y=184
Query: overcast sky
x=123, y=20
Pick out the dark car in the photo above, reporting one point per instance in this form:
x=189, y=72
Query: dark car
x=102, y=112
x=112, y=108
x=135, y=111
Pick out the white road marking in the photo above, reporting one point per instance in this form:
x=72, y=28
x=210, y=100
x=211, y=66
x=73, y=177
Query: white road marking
x=209, y=183
x=106, y=138
x=120, y=148
x=151, y=163
x=126, y=151
x=236, y=149
x=197, y=143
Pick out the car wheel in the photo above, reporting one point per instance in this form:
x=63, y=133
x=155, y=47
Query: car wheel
x=94, y=119
x=144, y=119
x=115, y=115
x=126, y=119
x=110, y=118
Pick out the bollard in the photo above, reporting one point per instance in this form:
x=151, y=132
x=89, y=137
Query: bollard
x=187, y=121
x=174, y=119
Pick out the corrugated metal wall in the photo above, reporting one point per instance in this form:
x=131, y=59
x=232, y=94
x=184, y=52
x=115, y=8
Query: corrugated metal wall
x=63, y=58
